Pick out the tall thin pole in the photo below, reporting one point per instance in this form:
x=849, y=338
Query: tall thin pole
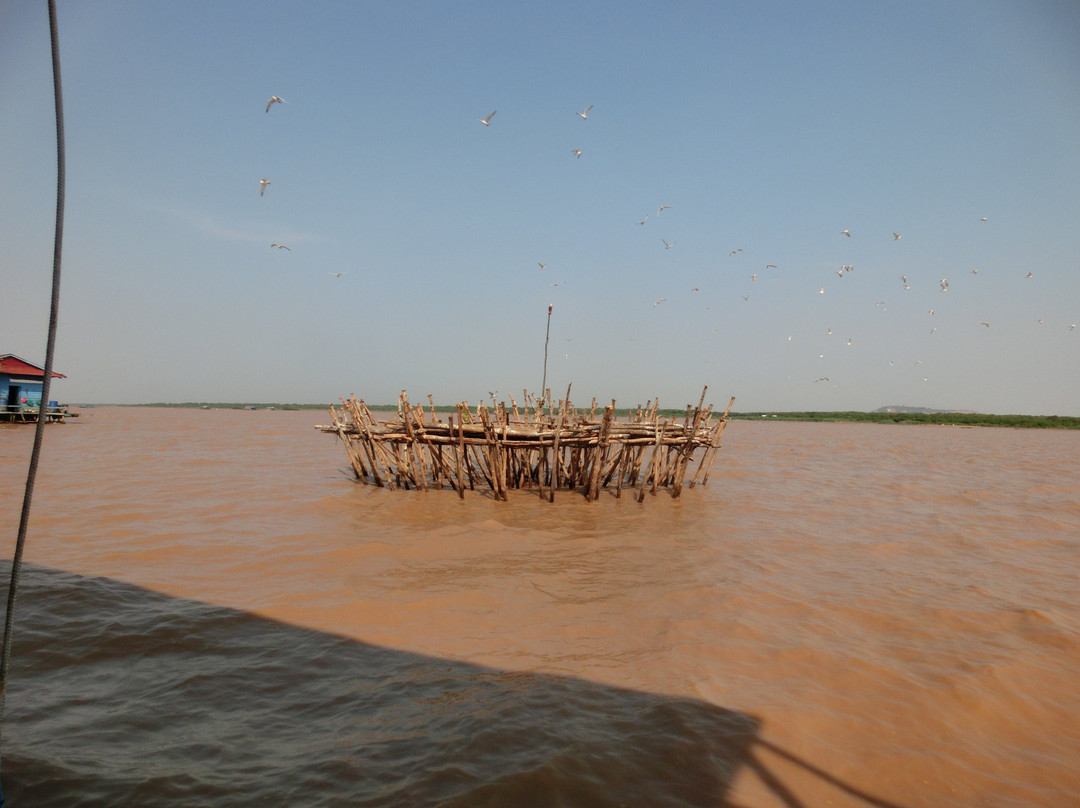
x=43, y=407
x=547, y=336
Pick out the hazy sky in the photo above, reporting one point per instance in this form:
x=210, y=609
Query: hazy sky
x=768, y=127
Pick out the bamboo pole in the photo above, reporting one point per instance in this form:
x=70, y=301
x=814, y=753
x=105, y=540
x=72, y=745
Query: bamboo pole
x=715, y=442
x=458, y=455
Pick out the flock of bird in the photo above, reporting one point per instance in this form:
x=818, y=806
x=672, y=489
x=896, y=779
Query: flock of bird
x=841, y=272
x=263, y=182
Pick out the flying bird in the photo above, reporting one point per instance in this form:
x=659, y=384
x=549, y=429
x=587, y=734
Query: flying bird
x=753, y=277
x=280, y=246
x=576, y=153
x=661, y=209
x=585, y=115
x=985, y=323
x=542, y=266
x=644, y=220
x=659, y=301
x=983, y=219
x=846, y=233
x=771, y=266
x=944, y=284
x=668, y=246
x=274, y=99
x=262, y=185
x=487, y=121
x=1029, y=275
x=896, y=236
x=974, y=272
x=337, y=274
x=821, y=379
x=733, y=252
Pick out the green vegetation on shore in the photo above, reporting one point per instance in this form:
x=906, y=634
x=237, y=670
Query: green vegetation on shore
x=936, y=418
x=217, y=405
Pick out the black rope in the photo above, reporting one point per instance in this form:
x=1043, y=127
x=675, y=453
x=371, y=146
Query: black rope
x=46, y=385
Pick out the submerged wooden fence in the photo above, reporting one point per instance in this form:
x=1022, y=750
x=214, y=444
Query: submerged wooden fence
x=543, y=447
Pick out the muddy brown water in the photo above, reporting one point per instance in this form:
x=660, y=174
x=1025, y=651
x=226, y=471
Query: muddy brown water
x=213, y=612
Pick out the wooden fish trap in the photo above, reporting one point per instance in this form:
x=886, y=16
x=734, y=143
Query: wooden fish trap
x=539, y=447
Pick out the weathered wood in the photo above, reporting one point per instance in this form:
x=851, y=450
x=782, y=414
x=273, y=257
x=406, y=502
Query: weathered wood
x=512, y=447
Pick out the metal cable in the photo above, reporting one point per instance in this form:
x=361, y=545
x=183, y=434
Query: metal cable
x=28, y=493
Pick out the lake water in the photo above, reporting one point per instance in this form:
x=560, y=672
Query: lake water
x=213, y=612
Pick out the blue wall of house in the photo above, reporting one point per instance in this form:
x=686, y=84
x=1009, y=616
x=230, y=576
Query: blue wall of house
x=21, y=388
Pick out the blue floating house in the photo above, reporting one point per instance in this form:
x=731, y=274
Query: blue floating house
x=20, y=390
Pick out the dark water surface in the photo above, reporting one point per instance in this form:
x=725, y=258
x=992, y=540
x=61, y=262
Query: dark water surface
x=214, y=613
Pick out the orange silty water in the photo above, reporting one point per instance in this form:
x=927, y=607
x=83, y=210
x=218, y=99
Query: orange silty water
x=847, y=614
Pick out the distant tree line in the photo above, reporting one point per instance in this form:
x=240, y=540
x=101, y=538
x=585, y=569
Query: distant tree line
x=939, y=418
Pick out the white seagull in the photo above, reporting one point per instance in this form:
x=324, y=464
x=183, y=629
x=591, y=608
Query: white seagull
x=735, y=251
x=337, y=274
x=542, y=266
x=262, y=185
x=274, y=99
x=896, y=236
x=280, y=246
x=944, y=284
x=576, y=153
x=846, y=233
x=668, y=246
x=661, y=209
x=644, y=220
x=487, y=121
x=659, y=301
x=585, y=115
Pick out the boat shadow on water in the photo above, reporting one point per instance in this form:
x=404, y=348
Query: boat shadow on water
x=121, y=696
